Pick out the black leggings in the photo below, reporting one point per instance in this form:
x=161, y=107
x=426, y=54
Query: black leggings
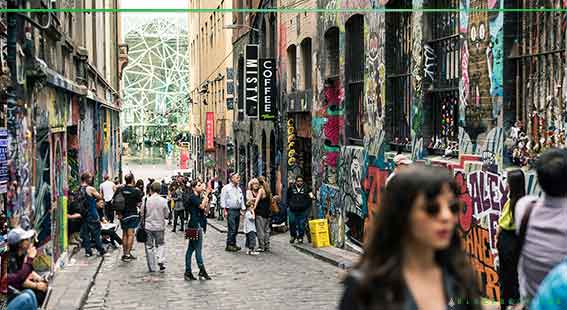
x=508, y=271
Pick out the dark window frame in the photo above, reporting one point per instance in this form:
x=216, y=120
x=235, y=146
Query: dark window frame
x=354, y=74
x=398, y=73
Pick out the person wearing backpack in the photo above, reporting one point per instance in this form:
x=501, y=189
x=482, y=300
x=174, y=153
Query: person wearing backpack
x=126, y=201
x=543, y=244
x=88, y=197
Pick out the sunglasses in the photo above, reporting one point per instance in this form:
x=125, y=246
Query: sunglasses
x=433, y=209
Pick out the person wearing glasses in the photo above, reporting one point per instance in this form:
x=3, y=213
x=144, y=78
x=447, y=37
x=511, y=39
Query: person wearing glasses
x=413, y=259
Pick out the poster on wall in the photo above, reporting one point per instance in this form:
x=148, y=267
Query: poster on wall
x=210, y=132
x=3, y=160
x=251, y=67
x=230, y=88
x=267, y=89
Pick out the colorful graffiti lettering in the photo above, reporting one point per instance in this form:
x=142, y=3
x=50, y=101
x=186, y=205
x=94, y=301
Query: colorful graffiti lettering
x=476, y=244
x=330, y=208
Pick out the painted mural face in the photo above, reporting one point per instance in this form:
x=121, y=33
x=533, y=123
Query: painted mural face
x=433, y=231
x=355, y=173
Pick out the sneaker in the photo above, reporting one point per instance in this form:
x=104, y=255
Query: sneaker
x=188, y=276
x=125, y=258
x=132, y=257
x=252, y=252
x=292, y=240
x=161, y=268
x=237, y=248
x=260, y=250
x=88, y=254
x=300, y=240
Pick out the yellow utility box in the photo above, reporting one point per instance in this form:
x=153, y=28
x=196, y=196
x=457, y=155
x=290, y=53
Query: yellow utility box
x=319, y=233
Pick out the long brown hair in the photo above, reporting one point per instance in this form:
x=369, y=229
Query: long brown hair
x=266, y=186
x=382, y=280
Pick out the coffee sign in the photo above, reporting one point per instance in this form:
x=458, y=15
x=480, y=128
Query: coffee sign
x=267, y=89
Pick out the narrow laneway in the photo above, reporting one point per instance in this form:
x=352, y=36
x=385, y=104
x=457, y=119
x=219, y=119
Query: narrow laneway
x=283, y=279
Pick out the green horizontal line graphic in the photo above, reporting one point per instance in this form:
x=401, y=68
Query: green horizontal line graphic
x=283, y=10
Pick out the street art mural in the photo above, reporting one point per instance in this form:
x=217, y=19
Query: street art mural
x=328, y=124
x=330, y=208
x=351, y=165
x=419, y=72
x=87, y=139
x=482, y=57
x=59, y=193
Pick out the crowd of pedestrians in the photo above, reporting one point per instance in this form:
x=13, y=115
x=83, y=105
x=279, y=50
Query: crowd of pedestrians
x=413, y=258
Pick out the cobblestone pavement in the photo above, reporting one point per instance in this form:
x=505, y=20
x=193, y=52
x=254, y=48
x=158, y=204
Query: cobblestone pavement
x=282, y=279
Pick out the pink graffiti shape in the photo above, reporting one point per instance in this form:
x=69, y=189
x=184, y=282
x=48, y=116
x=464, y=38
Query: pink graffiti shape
x=332, y=129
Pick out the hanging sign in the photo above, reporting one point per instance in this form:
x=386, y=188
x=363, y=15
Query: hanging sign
x=3, y=160
x=267, y=89
x=251, y=67
x=210, y=132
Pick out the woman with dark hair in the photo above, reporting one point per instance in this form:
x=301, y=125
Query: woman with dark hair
x=262, y=210
x=413, y=258
x=507, y=241
x=140, y=186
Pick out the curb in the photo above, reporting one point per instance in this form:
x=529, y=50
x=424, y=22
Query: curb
x=85, y=295
x=341, y=264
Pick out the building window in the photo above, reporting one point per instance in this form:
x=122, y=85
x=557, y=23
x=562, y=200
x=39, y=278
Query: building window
x=441, y=78
x=398, y=73
x=354, y=71
x=534, y=111
x=292, y=68
x=331, y=66
x=307, y=63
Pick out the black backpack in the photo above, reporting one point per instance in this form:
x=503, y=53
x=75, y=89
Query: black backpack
x=119, y=201
x=81, y=201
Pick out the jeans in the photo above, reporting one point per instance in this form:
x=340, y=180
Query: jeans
x=251, y=240
x=91, y=231
x=263, y=228
x=109, y=212
x=197, y=247
x=155, y=246
x=233, y=224
x=297, y=222
x=181, y=216
x=25, y=301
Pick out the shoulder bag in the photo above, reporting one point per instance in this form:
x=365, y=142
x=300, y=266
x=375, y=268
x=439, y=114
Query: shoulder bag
x=141, y=234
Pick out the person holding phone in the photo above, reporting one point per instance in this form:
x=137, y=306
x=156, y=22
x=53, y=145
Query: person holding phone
x=22, y=279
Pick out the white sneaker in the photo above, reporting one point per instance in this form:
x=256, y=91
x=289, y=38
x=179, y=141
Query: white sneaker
x=252, y=252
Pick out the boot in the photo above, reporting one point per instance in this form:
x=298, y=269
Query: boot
x=203, y=274
x=189, y=277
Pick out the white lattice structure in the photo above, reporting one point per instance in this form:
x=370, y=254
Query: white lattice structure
x=156, y=78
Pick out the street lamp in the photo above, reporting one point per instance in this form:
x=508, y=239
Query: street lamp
x=237, y=26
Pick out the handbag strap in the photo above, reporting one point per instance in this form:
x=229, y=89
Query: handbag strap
x=145, y=213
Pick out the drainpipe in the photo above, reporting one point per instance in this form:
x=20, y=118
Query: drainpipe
x=13, y=110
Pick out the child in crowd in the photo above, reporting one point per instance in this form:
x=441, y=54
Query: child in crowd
x=250, y=230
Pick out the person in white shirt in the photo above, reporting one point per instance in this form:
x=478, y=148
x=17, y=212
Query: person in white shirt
x=107, y=189
x=154, y=215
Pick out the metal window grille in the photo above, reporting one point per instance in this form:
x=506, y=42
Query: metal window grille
x=398, y=71
x=332, y=53
x=354, y=70
x=442, y=72
x=538, y=61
